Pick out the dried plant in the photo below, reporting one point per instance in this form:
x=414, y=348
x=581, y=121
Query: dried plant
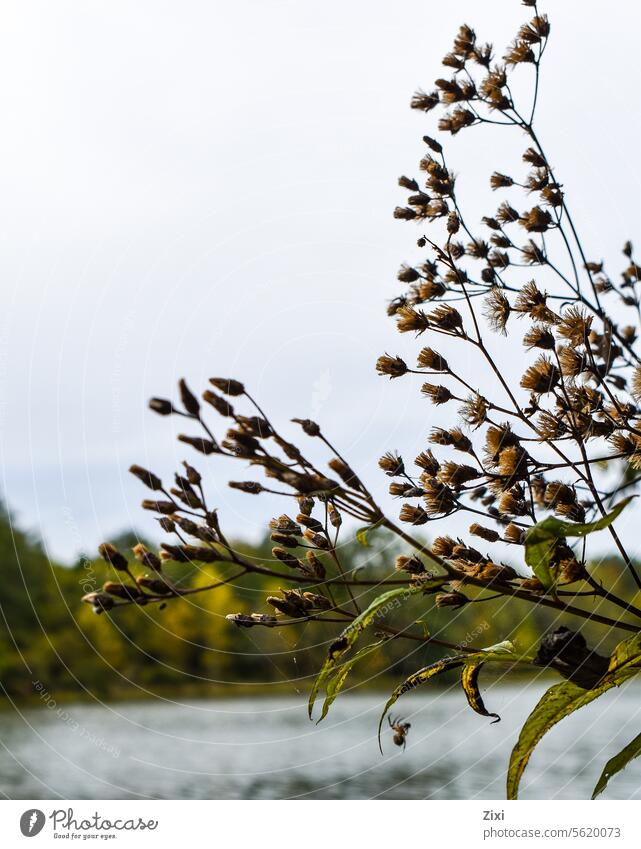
x=530, y=462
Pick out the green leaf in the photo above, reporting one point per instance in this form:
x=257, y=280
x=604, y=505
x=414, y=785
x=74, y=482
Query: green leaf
x=617, y=763
x=541, y=538
x=335, y=685
x=562, y=700
x=379, y=607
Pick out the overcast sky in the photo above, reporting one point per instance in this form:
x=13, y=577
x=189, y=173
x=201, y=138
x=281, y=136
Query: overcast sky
x=205, y=188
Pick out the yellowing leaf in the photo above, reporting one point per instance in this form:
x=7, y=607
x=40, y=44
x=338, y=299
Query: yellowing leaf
x=469, y=681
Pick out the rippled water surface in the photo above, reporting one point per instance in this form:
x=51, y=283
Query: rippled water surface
x=267, y=748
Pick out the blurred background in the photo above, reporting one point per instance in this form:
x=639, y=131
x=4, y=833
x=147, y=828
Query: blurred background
x=191, y=189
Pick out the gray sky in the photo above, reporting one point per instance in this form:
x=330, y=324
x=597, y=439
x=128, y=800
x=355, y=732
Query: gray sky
x=201, y=188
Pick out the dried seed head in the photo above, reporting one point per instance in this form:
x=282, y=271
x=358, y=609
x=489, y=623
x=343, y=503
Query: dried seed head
x=147, y=558
x=487, y=534
x=411, y=320
x=392, y=464
x=401, y=489
x=334, y=516
x=514, y=534
x=427, y=290
x=161, y=406
x=227, y=385
x=455, y=121
x=309, y=522
x=309, y=427
x=407, y=274
x=283, y=524
x=111, y=555
x=221, y=405
x=533, y=157
x=497, y=310
x=204, y=446
x=190, y=402
x=446, y=318
x=439, y=498
x=413, y=515
x=539, y=336
x=285, y=539
x=436, y=394
x=404, y=213
x=474, y=410
x=513, y=502
x=575, y=326
x=533, y=254
x=345, y=473
x=165, y=507
x=443, y=546
x=408, y=183
x=313, y=567
x=411, y=564
x=305, y=505
x=429, y=359
x=518, y=53
x=456, y=475
x=541, y=377
x=550, y=426
x=454, y=600
x=467, y=553
x=99, y=601
x=500, y=181
x=317, y=540
x=428, y=462
x=285, y=557
x=148, y=478
x=424, y=102
x=532, y=302
x=252, y=487
x=572, y=362
x=506, y=214
x=536, y=220
x=437, y=147
x=635, y=386
x=392, y=366
x=124, y=591
x=167, y=524
x=454, y=437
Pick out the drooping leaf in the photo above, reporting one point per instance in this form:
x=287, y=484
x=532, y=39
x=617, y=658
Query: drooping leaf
x=541, y=538
x=562, y=700
x=469, y=681
x=379, y=607
x=617, y=763
x=335, y=684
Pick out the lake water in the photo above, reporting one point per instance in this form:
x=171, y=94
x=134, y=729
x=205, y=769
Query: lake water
x=267, y=748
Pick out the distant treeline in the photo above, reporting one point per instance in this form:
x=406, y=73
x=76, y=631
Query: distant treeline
x=50, y=640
